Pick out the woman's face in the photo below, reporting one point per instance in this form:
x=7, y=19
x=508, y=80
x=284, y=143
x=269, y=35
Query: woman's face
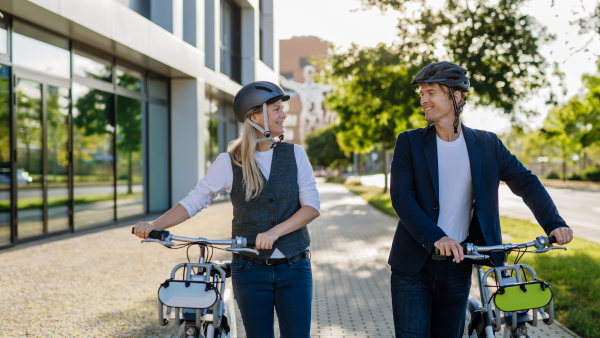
x=275, y=117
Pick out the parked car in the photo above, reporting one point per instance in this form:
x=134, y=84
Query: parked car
x=22, y=176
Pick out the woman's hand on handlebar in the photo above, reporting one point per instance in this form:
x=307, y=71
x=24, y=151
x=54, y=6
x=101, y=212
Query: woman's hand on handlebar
x=265, y=240
x=450, y=247
x=142, y=229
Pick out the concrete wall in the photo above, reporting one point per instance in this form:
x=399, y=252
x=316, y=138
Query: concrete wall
x=188, y=132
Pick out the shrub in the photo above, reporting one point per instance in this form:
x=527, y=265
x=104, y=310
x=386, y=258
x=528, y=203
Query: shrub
x=592, y=175
x=553, y=176
x=575, y=177
x=335, y=179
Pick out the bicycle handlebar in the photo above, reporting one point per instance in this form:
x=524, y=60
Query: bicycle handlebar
x=541, y=243
x=164, y=235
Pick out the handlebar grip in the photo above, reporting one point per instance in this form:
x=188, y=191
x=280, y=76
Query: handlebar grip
x=250, y=243
x=158, y=234
x=464, y=247
x=552, y=239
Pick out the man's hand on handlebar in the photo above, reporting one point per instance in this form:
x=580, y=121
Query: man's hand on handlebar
x=142, y=229
x=563, y=235
x=450, y=247
x=265, y=240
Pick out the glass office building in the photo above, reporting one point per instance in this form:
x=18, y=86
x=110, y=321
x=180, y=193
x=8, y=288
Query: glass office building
x=77, y=129
x=97, y=127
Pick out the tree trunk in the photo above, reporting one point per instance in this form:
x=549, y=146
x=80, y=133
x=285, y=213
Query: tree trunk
x=130, y=174
x=340, y=170
x=564, y=166
x=385, y=161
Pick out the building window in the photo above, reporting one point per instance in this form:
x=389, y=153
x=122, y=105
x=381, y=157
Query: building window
x=5, y=173
x=231, y=43
x=93, y=156
x=130, y=187
x=40, y=50
x=91, y=67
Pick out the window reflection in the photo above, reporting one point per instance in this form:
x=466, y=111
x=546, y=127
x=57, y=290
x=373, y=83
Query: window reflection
x=92, y=69
x=129, y=157
x=29, y=159
x=3, y=38
x=129, y=79
x=40, y=50
x=158, y=89
x=93, y=178
x=4, y=156
x=57, y=124
x=212, y=125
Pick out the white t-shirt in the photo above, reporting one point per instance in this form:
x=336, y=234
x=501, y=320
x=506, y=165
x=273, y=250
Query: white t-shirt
x=220, y=177
x=456, y=187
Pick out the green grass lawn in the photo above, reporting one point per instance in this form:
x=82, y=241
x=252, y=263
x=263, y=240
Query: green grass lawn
x=573, y=274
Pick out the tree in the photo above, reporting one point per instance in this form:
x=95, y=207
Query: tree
x=562, y=126
x=493, y=40
x=323, y=150
x=372, y=98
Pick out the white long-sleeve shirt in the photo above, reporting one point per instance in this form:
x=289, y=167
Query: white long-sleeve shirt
x=220, y=177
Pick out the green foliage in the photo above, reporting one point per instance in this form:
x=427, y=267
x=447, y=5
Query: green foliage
x=323, y=150
x=592, y=175
x=372, y=96
x=553, y=176
x=335, y=179
x=493, y=40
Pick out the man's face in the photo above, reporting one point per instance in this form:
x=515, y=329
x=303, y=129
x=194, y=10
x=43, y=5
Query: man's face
x=436, y=102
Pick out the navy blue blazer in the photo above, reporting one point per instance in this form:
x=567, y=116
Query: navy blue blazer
x=414, y=190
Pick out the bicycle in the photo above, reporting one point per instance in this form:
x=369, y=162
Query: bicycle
x=203, y=298
x=514, y=297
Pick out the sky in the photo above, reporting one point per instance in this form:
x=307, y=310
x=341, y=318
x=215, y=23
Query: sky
x=343, y=22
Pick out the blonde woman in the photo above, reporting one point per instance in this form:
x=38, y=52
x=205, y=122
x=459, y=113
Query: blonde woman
x=274, y=196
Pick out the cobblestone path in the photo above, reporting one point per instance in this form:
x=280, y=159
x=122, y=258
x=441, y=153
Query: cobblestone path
x=103, y=283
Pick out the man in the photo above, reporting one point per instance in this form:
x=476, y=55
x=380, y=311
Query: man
x=444, y=188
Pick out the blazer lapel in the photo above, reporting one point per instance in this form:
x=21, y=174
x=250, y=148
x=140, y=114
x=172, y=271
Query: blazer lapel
x=430, y=151
x=474, y=159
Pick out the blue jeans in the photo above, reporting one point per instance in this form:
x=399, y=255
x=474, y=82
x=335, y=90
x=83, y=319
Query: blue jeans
x=258, y=288
x=432, y=303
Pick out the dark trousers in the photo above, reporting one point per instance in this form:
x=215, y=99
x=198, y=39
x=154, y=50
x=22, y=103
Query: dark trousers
x=258, y=288
x=433, y=303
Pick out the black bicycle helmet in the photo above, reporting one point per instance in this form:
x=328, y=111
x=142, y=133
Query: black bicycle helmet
x=446, y=73
x=255, y=94
x=449, y=74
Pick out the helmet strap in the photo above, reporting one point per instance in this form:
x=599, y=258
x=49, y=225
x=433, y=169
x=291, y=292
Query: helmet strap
x=266, y=130
x=457, y=110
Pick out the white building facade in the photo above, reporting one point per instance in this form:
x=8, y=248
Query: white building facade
x=111, y=109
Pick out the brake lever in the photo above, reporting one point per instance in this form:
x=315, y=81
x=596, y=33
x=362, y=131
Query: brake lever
x=234, y=249
x=169, y=243
x=548, y=249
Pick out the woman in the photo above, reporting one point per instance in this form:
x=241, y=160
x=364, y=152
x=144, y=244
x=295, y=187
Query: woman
x=274, y=196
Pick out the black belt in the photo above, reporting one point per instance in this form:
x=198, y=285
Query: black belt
x=273, y=261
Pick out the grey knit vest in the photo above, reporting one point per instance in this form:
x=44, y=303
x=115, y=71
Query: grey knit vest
x=277, y=202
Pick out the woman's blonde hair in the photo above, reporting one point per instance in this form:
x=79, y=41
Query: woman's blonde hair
x=242, y=151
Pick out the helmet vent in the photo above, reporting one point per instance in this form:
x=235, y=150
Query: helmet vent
x=264, y=88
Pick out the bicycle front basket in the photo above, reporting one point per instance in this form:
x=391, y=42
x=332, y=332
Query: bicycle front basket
x=523, y=296
x=187, y=294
